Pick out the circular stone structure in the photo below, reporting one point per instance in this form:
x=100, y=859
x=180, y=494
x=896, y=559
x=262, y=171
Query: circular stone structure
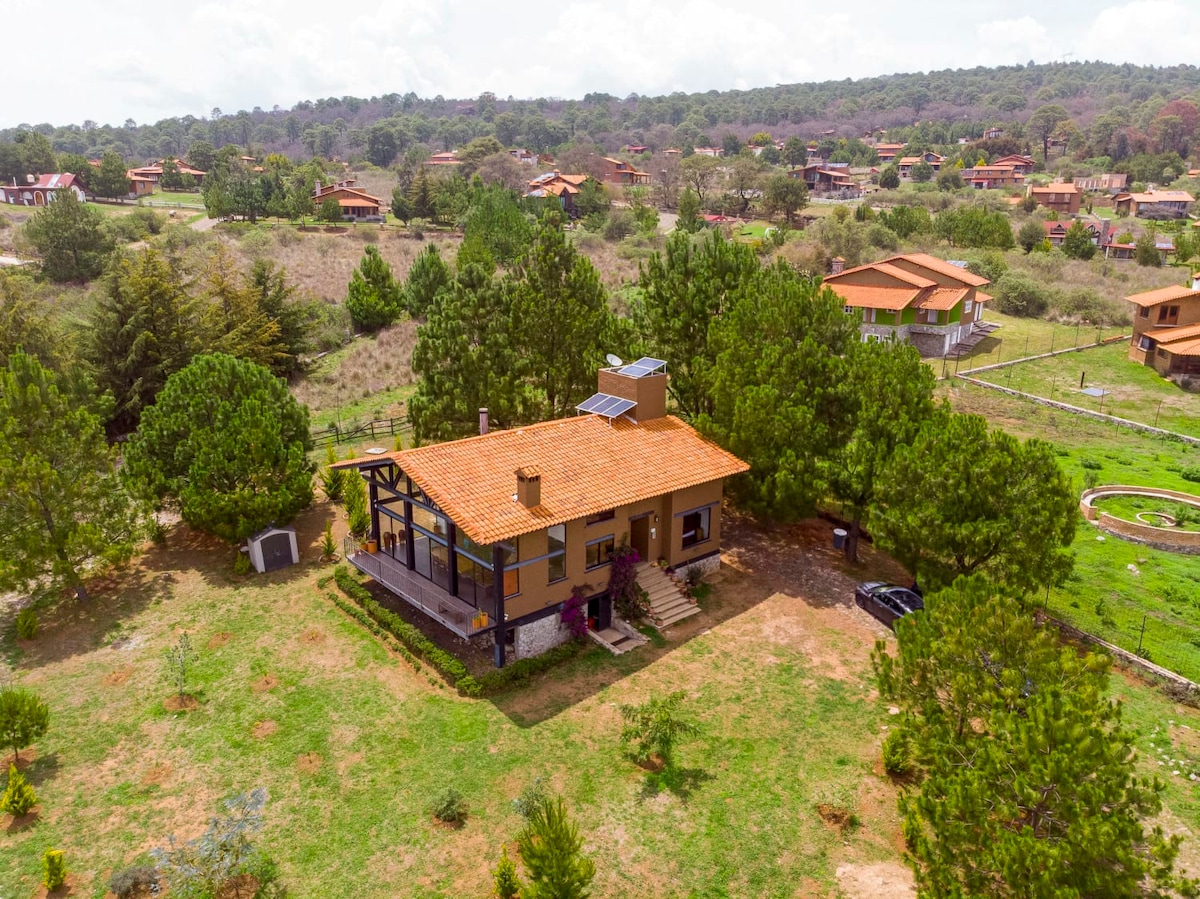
x=1170, y=539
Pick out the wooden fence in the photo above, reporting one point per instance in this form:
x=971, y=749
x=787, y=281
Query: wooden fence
x=380, y=427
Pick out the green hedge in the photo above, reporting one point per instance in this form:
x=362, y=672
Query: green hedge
x=414, y=645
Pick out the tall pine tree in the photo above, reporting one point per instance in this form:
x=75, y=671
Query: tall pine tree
x=373, y=297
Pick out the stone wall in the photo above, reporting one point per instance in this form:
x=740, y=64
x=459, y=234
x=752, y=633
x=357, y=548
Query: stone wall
x=538, y=636
x=1166, y=539
x=705, y=565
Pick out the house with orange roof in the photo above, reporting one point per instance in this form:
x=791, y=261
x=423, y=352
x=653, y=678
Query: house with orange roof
x=888, y=152
x=353, y=200
x=825, y=180
x=617, y=171
x=987, y=177
x=1060, y=197
x=445, y=158
x=1166, y=329
x=555, y=184
x=492, y=535
x=1023, y=165
x=40, y=190
x=918, y=298
x=1172, y=203
x=906, y=163
x=154, y=172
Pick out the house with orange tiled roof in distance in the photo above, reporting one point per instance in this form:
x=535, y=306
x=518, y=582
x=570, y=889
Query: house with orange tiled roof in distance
x=1166, y=329
x=523, y=156
x=1098, y=230
x=1171, y=203
x=906, y=163
x=444, y=158
x=715, y=152
x=1112, y=182
x=555, y=184
x=988, y=177
x=822, y=179
x=492, y=535
x=887, y=153
x=353, y=200
x=1021, y=164
x=1059, y=197
x=617, y=171
x=154, y=172
x=933, y=304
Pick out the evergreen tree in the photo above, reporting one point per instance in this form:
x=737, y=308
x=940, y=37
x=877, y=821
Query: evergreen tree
x=18, y=797
x=428, y=276
x=893, y=398
x=233, y=322
x=111, y=180
x=962, y=498
x=466, y=357
x=689, y=220
x=1028, y=783
x=171, y=178
x=227, y=444
x=329, y=210
x=795, y=152
x=782, y=193
x=1146, y=252
x=780, y=395
x=421, y=196
x=922, y=172
x=683, y=291
x=495, y=230
x=24, y=325
x=1077, y=244
x=373, y=297
x=24, y=719
x=550, y=848
x=145, y=327
x=64, y=510
x=293, y=317
x=562, y=318
x=71, y=238
x=1030, y=235
x=401, y=207
x=889, y=178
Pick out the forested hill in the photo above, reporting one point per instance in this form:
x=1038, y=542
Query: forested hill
x=947, y=104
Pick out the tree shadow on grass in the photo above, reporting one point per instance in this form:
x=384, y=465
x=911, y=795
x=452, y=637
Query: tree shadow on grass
x=679, y=782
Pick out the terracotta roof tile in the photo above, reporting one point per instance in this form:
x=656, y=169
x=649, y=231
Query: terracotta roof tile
x=943, y=298
x=1163, y=295
x=1171, y=335
x=944, y=268
x=863, y=296
x=587, y=465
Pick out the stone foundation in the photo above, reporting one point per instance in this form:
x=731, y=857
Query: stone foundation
x=705, y=566
x=538, y=636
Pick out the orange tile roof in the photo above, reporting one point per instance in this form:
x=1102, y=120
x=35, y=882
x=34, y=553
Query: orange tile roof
x=943, y=298
x=1161, y=196
x=1057, y=188
x=981, y=297
x=1170, y=335
x=587, y=465
x=1163, y=295
x=944, y=268
x=358, y=203
x=863, y=296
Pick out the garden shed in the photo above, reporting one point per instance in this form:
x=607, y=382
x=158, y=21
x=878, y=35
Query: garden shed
x=273, y=548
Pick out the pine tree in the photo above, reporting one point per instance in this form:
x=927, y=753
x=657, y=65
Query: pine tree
x=71, y=238
x=428, y=276
x=1077, y=243
x=64, y=509
x=507, y=885
x=550, y=848
x=373, y=297
x=688, y=220
x=1146, y=252
x=24, y=718
x=233, y=321
x=421, y=196
x=111, y=180
x=294, y=318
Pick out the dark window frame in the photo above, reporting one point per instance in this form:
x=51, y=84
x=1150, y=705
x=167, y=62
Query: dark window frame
x=606, y=515
x=609, y=539
x=700, y=512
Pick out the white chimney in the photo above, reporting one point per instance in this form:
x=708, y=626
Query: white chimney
x=483, y=420
x=1195, y=280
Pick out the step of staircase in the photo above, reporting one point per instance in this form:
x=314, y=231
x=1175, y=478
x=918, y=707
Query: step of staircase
x=618, y=639
x=668, y=603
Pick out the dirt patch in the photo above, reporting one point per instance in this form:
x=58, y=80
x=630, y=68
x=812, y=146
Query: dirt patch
x=264, y=729
x=309, y=763
x=184, y=703
x=25, y=758
x=219, y=639
x=18, y=823
x=265, y=683
x=117, y=677
x=840, y=819
x=155, y=775
x=73, y=887
x=244, y=886
x=880, y=880
x=312, y=637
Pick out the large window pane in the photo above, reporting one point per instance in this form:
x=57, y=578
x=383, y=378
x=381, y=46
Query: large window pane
x=695, y=527
x=421, y=552
x=428, y=520
x=557, y=550
x=599, y=552
x=440, y=562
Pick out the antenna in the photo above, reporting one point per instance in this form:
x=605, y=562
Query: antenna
x=613, y=360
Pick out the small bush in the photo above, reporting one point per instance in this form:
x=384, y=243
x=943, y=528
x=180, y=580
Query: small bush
x=328, y=544
x=1019, y=294
x=1192, y=473
x=18, y=797
x=241, y=563
x=27, y=624
x=896, y=756
x=506, y=883
x=450, y=807
x=531, y=799
x=126, y=882
x=1090, y=464
x=54, y=869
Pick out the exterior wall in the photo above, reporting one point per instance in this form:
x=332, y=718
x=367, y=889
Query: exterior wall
x=538, y=636
x=684, y=501
x=650, y=392
x=908, y=315
x=1189, y=314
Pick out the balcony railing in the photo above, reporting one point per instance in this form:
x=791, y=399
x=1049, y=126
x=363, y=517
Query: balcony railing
x=459, y=616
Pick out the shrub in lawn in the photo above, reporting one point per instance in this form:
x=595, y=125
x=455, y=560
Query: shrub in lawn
x=18, y=797
x=550, y=848
x=127, y=882
x=333, y=481
x=179, y=660
x=1090, y=480
x=27, y=624
x=1191, y=473
x=241, y=564
x=328, y=546
x=54, y=870
x=23, y=719
x=507, y=884
x=202, y=866
x=450, y=807
x=1090, y=464
x=896, y=759
x=531, y=799
x=654, y=727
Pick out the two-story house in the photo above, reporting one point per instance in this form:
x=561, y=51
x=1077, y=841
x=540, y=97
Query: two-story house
x=492, y=534
x=353, y=201
x=986, y=177
x=918, y=298
x=555, y=184
x=1022, y=165
x=1061, y=197
x=616, y=171
x=887, y=153
x=1166, y=329
x=907, y=162
x=1172, y=202
x=824, y=179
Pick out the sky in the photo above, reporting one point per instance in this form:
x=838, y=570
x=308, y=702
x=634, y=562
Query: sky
x=147, y=61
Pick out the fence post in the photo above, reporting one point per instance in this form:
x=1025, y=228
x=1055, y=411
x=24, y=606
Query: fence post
x=1141, y=635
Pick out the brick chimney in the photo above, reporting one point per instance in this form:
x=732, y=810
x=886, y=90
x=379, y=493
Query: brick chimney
x=649, y=391
x=529, y=487
x=837, y=265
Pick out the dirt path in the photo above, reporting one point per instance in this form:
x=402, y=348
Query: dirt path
x=204, y=224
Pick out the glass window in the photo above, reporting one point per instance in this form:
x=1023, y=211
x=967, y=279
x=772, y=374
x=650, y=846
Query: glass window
x=440, y=563
x=606, y=515
x=431, y=522
x=391, y=535
x=599, y=552
x=478, y=550
x=1144, y=312
x=695, y=527
x=557, y=550
x=421, y=554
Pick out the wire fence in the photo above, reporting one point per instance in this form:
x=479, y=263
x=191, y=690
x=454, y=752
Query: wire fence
x=379, y=427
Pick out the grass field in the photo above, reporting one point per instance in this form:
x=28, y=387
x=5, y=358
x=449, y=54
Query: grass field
x=1134, y=391
x=174, y=198
x=1104, y=596
x=1020, y=337
x=1129, y=507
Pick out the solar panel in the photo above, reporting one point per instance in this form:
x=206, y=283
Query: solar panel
x=606, y=405
x=643, y=367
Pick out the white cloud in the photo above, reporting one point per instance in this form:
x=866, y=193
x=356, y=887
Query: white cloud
x=1146, y=32
x=1006, y=41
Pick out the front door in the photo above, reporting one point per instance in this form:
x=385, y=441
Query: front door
x=639, y=536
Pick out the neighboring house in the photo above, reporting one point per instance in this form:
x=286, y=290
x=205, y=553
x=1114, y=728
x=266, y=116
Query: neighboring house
x=985, y=177
x=1166, y=329
x=672, y=151
x=1063, y=198
x=41, y=190
x=714, y=152
x=616, y=171
x=888, y=152
x=824, y=179
x=556, y=184
x=446, y=158
x=1056, y=232
x=1022, y=165
x=993, y=133
x=636, y=149
x=1108, y=181
x=1172, y=202
x=140, y=185
x=490, y=535
x=154, y=172
x=907, y=162
x=523, y=156
x=353, y=201
x=926, y=301
x=1114, y=250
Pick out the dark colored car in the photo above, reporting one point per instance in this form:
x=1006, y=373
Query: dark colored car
x=887, y=602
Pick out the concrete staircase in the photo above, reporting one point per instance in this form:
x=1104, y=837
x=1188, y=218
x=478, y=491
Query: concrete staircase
x=620, y=638
x=668, y=603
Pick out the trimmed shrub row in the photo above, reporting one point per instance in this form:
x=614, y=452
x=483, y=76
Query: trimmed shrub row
x=414, y=645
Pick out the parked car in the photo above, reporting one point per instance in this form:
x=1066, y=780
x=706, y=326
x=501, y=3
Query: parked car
x=887, y=602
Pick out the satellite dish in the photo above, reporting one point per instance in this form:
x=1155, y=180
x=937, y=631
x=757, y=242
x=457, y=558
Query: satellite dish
x=614, y=360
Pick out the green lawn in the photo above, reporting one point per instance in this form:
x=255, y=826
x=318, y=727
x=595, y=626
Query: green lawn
x=174, y=198
x=1129, y=507
x=1020, y=337
x=1104, y=596
x=1135, y=391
